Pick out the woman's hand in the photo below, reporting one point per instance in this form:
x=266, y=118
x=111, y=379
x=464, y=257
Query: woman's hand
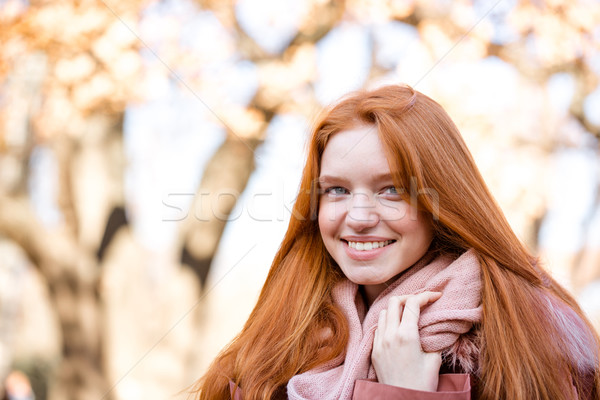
x=397, y=354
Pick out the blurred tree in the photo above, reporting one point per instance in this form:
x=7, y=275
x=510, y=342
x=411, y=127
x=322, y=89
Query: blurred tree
x=68, y=70
x=65, y=69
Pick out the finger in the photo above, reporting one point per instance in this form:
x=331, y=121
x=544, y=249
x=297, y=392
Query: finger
x=412, y=308
x=381, y=322
x=394, y=309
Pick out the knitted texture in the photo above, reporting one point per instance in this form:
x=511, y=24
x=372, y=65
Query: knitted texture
x=440, y=323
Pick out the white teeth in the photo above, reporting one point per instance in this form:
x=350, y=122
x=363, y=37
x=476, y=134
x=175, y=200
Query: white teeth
x=368, y=245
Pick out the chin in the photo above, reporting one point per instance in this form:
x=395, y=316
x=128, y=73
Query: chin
x=362, y=280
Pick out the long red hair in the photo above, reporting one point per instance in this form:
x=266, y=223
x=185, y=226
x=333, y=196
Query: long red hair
x=533, y=334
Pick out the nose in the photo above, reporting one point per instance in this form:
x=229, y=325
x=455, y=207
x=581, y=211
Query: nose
x=362, y=212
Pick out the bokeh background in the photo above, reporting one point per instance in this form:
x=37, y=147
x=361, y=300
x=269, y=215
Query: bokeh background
x=150, y=152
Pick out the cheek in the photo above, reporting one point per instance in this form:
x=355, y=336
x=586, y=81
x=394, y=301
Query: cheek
x=412, y=223
x=394, y=211
x=399, y=215
x=328, y=219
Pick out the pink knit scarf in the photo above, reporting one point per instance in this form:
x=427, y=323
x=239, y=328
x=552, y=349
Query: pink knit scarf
x=440, y=323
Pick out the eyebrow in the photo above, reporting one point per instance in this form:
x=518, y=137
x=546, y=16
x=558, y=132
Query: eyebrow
x=333, y=178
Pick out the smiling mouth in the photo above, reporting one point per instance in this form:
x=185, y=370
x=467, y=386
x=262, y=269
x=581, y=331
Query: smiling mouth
x=363, y=246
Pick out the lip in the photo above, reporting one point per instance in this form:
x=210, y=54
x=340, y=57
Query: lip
x=365, y=238
x=364, y=255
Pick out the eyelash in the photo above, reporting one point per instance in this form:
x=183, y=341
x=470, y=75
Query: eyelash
x=335, y=190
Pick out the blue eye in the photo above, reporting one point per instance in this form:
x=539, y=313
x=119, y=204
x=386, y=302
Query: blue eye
x=336, y=190
x=391, y=193
x=391, y=190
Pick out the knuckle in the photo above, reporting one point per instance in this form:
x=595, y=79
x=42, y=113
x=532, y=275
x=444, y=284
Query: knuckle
x=399, y=338
x=391, y=341
x=407, y=336
x=387, y=341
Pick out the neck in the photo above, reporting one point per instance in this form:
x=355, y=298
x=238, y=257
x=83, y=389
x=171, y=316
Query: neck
x=371, y=292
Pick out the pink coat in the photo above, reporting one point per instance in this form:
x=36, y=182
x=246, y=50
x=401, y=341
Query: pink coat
x=450, y=387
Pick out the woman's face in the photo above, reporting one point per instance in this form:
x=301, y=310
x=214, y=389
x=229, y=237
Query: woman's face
x=370, y=232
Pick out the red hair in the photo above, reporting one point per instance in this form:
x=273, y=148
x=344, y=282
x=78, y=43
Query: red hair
x=533, y=334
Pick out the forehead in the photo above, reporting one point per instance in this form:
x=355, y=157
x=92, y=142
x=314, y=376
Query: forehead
x=354, y=150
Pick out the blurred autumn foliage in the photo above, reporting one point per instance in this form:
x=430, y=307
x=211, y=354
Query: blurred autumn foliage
x=92, y=310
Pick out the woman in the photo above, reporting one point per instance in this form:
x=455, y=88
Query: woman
x=399, y=276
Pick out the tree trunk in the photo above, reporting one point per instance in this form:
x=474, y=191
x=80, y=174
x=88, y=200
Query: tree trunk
x=72, y=276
